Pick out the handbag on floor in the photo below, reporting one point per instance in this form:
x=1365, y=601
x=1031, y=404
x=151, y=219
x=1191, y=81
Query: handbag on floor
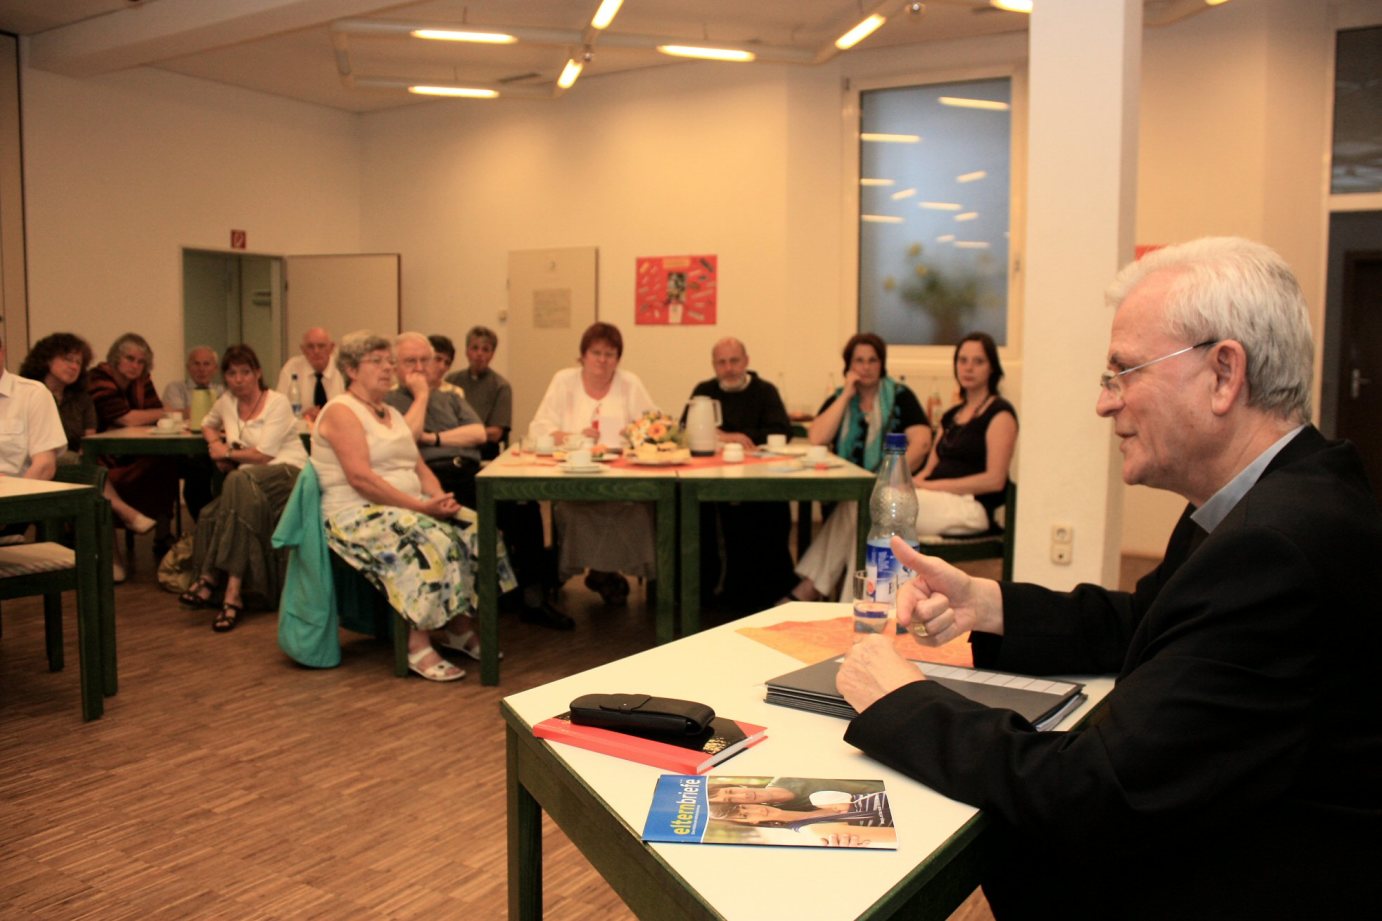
x=175, y=569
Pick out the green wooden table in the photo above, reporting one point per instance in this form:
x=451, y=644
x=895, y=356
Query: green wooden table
x=514, y=477
x=841, y=482
x=141, y=441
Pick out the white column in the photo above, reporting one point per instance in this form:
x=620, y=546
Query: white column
x=1081, y=184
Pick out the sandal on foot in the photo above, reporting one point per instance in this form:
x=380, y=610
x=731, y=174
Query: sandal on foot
x=462, y=643
x=225, y=620
x=193, y=598
x=440, y=670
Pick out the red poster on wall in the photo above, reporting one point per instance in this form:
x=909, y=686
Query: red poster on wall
x=675, y=291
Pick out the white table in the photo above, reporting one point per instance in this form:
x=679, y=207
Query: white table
x=600, y=802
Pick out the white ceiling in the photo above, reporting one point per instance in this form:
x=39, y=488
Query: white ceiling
x=316, y=50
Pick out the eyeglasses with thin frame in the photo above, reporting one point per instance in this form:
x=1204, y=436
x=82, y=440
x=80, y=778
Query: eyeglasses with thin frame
x=381, y=360
x=1112, y=381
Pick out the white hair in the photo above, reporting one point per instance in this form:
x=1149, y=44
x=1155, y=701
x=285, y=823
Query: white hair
x=419, y=338
x=1231, y=288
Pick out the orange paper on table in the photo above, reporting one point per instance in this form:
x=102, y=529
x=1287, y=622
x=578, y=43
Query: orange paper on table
x=816, y=640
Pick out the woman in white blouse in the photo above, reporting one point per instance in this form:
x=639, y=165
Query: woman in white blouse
x=597, y=400
x=251, y=435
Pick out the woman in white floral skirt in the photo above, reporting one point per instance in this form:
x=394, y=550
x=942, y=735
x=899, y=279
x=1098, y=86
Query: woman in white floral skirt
x=386, y=514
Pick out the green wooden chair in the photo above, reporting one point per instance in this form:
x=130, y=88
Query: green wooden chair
x=983, y=546
x=48, y=567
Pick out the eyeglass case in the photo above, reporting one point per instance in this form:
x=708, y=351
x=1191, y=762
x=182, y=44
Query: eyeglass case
x=641, y=713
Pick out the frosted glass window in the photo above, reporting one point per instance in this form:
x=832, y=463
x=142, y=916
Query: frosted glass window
x=934, y=164
x=1357, y=112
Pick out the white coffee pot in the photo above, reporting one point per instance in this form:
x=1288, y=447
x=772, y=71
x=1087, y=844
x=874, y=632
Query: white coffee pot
x=702, y=420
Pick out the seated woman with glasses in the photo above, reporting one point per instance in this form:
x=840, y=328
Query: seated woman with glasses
x=388, y=517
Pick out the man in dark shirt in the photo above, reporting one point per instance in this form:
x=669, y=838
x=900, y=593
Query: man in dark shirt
x=1235, y=769
x=758, y=563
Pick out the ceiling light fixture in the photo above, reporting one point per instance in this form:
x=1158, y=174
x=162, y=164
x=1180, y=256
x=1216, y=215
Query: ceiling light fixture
x=1214, y=2
x=962, y=102
x=877, y=182
x=709, y=54
x=569, y=73
x=972, y=177
x=879, y=138
x=939, y=205
x=904, y=193
x=880, y=219
x=605, y=14
x=452, y=35
x=1013, y=6
x=860, y=32
x=967, y=216
x=463, y=92
x=971, y=244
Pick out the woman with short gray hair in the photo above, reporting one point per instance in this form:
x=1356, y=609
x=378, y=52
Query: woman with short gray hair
x=387, y=516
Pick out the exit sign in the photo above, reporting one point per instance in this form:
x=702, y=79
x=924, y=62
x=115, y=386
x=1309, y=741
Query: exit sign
x=237, y=239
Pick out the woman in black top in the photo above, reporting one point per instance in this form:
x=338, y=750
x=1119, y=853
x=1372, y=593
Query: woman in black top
x=965, y=479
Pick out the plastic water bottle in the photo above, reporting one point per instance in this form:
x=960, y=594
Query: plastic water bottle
x=295, y=396
x=893, y=507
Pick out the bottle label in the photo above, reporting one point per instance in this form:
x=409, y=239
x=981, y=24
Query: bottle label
x=884, y=573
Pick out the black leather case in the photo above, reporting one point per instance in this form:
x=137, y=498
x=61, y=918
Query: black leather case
x=642, y=714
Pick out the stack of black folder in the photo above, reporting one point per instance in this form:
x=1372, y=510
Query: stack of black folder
x=1041, y=701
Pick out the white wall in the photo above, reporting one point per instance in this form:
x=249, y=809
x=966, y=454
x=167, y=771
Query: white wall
x=123, y=172
x=1234, y=108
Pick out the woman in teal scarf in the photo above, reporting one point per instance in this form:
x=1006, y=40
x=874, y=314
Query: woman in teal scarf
x=853, y=421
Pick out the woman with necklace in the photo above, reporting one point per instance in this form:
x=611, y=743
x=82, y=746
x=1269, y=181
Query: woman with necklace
x=387, y=516
x=854, y=420
x=965, y=479
x=251, y=435
x=597, y=400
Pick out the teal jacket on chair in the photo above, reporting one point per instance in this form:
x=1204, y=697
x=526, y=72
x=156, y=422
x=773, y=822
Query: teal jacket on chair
x=307, y=620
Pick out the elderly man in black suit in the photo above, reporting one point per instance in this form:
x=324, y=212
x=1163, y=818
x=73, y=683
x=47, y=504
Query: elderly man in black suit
x=1235, y=770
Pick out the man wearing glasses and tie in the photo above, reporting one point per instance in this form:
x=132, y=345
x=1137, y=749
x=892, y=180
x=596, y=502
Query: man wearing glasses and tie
x=1235, y=770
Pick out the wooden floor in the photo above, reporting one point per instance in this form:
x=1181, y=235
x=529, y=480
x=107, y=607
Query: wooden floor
x=227, y=782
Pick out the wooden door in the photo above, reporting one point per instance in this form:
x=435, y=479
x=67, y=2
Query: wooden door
x=341, y=293
x=552, y=299
x=1360, y=360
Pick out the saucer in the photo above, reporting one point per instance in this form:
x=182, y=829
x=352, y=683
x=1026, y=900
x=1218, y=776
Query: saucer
x=581, y=470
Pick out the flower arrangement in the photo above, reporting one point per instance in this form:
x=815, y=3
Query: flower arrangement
x=653, y=427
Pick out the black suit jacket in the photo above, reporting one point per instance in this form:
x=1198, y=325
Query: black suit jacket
x=1236, y=768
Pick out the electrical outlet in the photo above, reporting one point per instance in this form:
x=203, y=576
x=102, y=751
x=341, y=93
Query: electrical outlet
x=1062, y=533
x=1061, y=554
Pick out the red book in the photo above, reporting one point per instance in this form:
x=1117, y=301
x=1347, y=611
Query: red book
x=690, y=755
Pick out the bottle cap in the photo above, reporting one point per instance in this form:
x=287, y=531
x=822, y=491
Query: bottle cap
x=896, y=441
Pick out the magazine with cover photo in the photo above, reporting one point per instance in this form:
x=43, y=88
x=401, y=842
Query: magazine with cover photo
x=778, y=811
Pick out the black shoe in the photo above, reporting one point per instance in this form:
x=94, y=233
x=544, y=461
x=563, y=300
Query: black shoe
x=546, y=616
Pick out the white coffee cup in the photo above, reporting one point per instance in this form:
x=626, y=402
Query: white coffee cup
x=733, y=453
x=817, y=454
x=572, y=440
x=777, y=441
x=169, y=423
x=578, y=458
x=546, y=444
